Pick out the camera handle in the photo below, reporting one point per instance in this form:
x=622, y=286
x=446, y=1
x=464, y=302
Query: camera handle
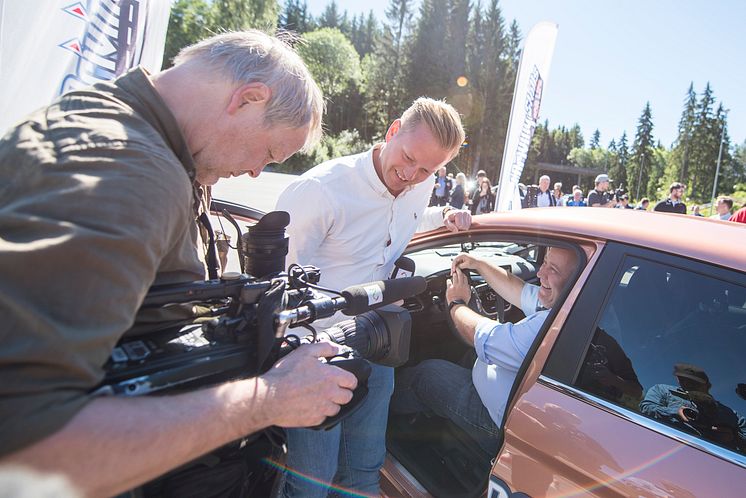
x=361, y=369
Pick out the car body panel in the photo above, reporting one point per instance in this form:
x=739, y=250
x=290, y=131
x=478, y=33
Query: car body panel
x=579, y=454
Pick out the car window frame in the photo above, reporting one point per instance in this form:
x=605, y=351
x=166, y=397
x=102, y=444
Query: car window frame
x=565, y=360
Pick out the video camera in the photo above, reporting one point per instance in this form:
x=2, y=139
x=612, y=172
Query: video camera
x=237, y=326
x=703, y=413
x=619, y=193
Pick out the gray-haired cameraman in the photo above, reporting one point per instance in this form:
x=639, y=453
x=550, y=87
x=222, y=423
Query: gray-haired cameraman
x=98, y=203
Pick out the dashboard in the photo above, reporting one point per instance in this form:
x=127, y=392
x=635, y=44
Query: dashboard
x=434, y=264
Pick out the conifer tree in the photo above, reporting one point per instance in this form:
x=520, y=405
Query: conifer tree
x=595, y=139
x=641, y=160
x=384, y=69
x=683, y=143
x=428, y=65
x=330, y=18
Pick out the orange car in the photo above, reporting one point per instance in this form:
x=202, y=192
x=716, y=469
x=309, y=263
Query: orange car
x=634, y=386
x=636, y=383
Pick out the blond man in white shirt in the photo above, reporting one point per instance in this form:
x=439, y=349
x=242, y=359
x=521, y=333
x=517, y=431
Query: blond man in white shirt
x=353, y=217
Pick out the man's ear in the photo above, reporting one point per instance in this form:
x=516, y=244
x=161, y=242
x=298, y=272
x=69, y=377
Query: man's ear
x=249, y=93
x=393, y=129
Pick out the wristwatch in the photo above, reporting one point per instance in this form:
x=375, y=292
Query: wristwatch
x=455, y=302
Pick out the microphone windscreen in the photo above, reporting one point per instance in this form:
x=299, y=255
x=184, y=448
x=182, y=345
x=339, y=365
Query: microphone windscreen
x=366, y=297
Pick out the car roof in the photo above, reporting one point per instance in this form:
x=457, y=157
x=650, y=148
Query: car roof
x=709, y=240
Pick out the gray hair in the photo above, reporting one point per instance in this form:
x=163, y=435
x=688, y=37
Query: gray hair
x=253, y=56
x=460, y=178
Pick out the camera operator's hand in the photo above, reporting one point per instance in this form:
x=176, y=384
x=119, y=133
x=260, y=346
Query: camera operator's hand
x=301, y=391
x=683, y=416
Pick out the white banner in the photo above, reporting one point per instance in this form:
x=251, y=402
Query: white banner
x=48, y=47
x=524, y=114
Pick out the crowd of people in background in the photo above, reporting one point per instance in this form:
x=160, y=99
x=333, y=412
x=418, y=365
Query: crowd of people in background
x=479, y=196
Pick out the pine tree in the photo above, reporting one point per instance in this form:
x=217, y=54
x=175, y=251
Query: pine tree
x=428, y=66
x=494, y=92
x=595, y=139
x=513, y=43
x=683, y=143
x=456, y=34
x=290, y=18
x=330, y=18
x=641, y=161
x=345, y=26
x=368, y=34
x=384, y=69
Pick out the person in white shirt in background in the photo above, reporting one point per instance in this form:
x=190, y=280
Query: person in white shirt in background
x=545, y=197
x=722, y=208
x=559, y=197
x=352, y=217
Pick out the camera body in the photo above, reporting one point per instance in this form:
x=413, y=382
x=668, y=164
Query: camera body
x=619, y=193
x=199, y=333
x=703, y=412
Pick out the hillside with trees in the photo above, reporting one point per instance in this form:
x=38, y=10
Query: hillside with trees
x=466, y=52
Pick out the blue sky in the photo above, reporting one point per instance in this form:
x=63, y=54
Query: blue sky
x=612, y=57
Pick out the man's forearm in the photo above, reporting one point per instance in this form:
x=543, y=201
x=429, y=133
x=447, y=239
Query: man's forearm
x=502, y=281
x=466, y=321
x=115, y=444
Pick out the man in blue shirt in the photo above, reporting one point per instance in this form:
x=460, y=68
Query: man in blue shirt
x=577, y=199
x=441, y=189
x=476, y=400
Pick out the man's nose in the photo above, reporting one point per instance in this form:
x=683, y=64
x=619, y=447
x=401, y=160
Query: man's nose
x=254, y=172
x=409, y=171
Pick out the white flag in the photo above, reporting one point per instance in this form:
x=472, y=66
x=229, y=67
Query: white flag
x=524, y=114
x=48, y=47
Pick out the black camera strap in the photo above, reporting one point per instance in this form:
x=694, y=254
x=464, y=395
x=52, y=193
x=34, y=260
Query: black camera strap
x=211, y=258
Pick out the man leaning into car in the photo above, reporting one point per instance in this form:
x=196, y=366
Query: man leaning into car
x=98, y=203
x=366, y=209
x=476, y=400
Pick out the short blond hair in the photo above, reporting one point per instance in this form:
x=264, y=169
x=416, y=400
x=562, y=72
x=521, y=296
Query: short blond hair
x=253, y=56
x=441, y=119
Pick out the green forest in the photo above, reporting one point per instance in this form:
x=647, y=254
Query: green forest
x=465, y=51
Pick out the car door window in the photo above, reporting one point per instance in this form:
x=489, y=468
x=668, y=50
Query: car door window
x=670, y=344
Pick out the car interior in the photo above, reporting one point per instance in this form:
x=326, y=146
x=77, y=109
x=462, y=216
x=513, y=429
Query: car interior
x=439, y=454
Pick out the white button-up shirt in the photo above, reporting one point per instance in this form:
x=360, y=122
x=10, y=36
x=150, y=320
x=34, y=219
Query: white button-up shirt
x=344, y=220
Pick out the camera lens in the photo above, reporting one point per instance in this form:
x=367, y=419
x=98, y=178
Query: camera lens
x=266, y=245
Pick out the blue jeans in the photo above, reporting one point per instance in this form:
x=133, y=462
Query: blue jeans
x=446, y=390
x=350, y=454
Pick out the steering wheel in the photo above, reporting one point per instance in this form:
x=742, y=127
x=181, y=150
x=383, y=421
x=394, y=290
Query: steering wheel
x=475, y=301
